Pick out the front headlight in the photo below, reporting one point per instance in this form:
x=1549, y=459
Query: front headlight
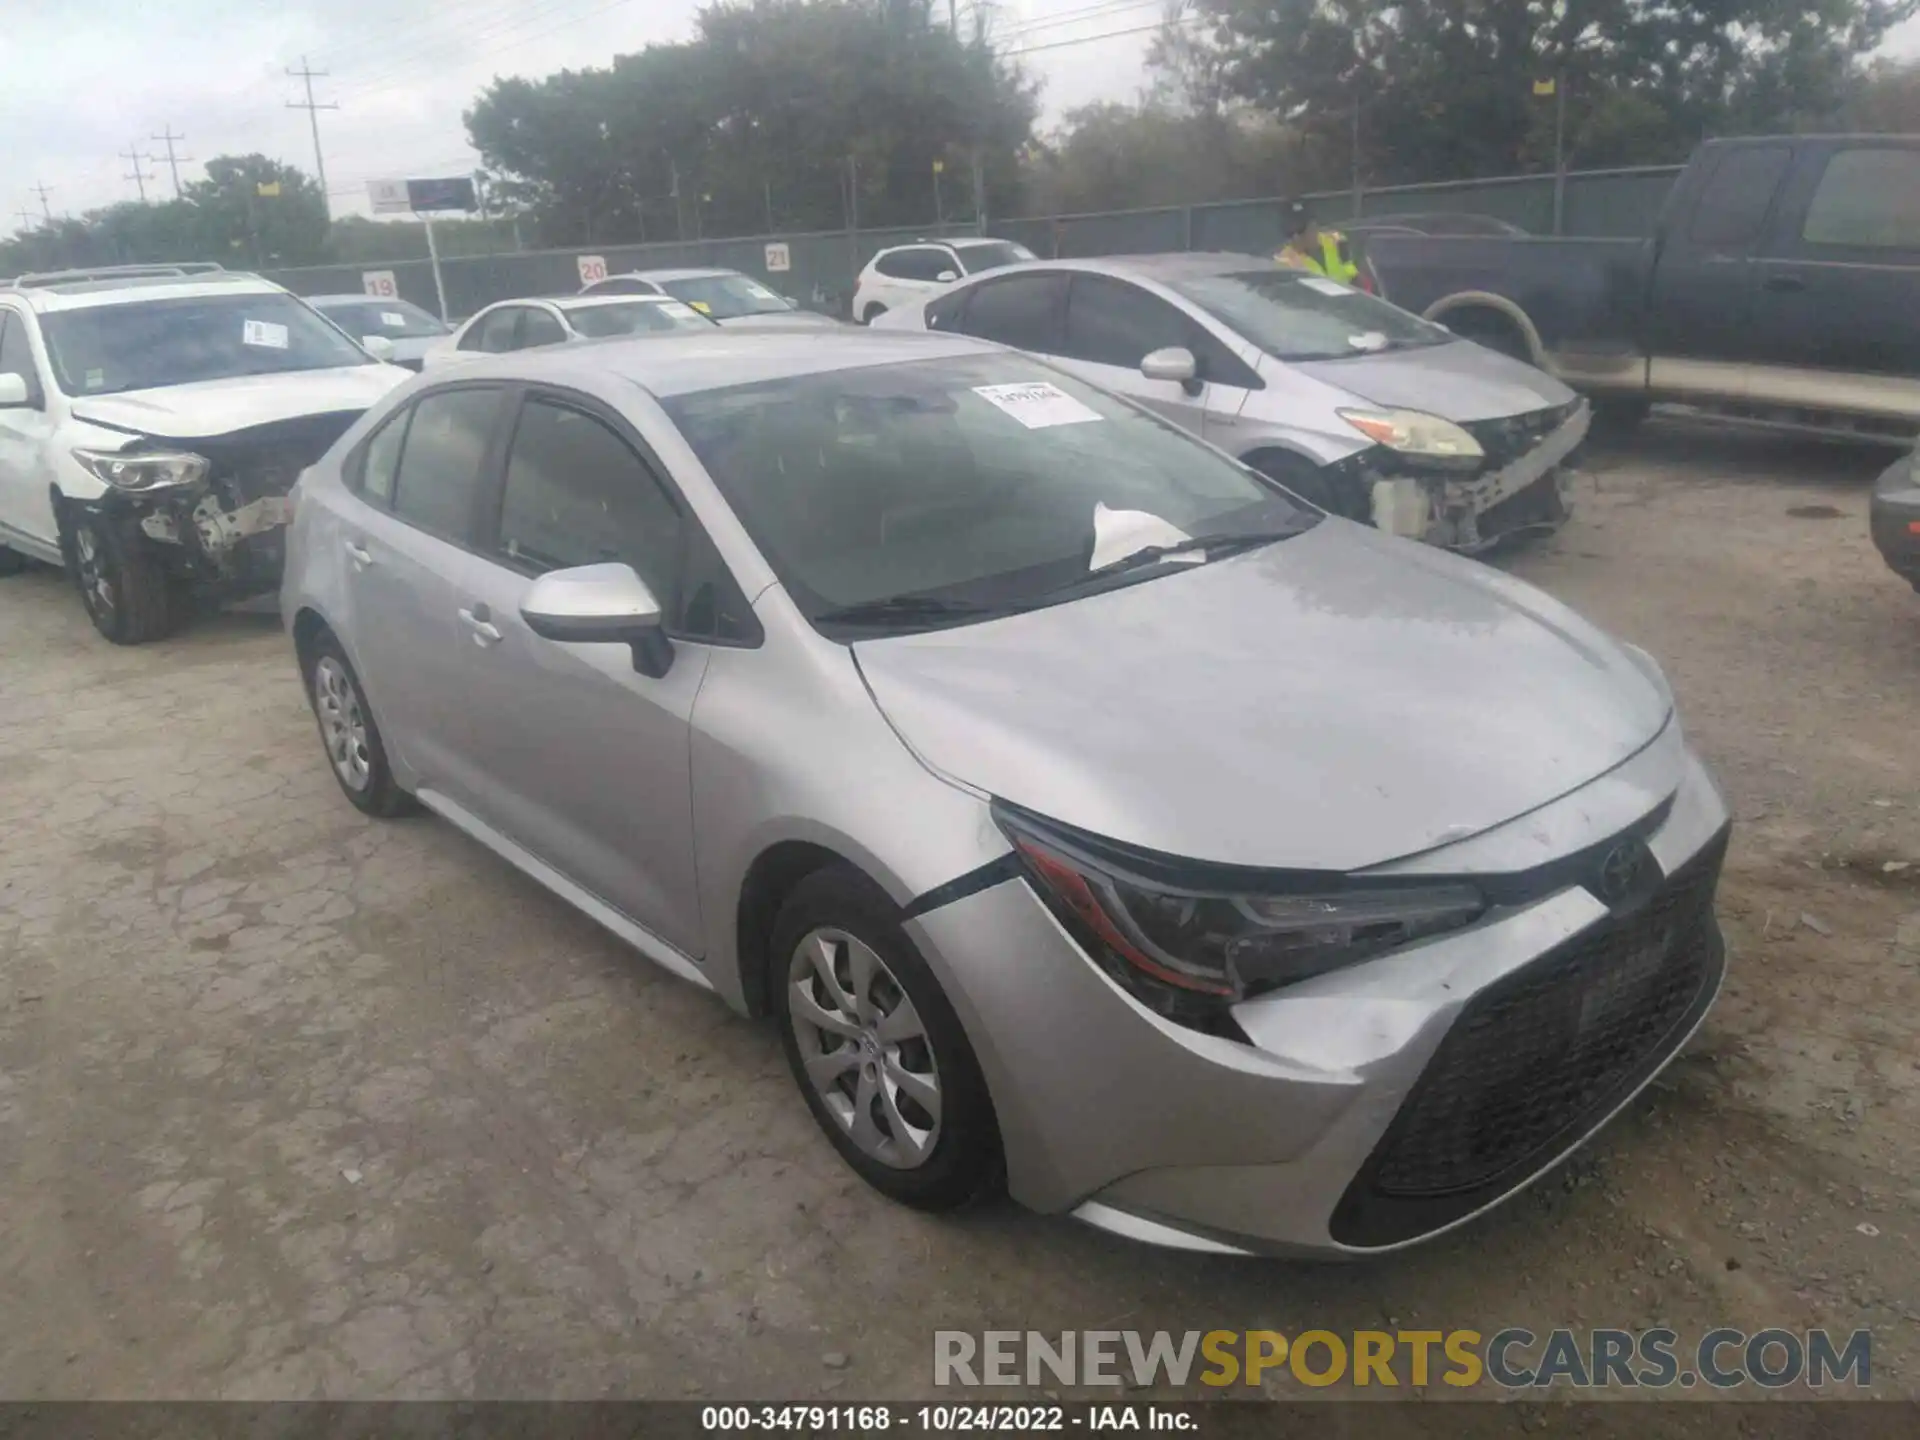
x=1189, y=951
x=1419, y=435
x=144, y=470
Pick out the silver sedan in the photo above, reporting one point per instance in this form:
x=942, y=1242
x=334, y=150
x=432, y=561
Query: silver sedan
x=1086, y=810
x=1360, y=407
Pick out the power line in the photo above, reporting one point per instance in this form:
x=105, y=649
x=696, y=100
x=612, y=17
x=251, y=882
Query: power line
x=1089, y=39
x=308, y=74
x=139, y=177
x=411, y=59
x=173, y=160
x=1106, y=10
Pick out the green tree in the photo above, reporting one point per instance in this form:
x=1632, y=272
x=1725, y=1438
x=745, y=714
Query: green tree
x=1445, y=87
x=774, y=106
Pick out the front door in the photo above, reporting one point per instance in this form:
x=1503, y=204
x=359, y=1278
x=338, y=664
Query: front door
x=565, y=748
x=25, y=433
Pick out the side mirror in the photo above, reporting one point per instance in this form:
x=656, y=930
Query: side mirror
x=600, y=605
x=13, y=392
x=947, y=277
x=378, y=346
x=1175, y=363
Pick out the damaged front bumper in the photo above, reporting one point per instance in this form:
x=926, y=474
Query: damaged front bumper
x=1527, y=493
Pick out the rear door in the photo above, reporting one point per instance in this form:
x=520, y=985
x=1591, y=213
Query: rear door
x=1836, y=319
x=416, y=483
x=1701, y=298
x=1024, y=311
x=539, y=326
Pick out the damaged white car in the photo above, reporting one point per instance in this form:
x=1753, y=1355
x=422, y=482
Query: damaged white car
x=153, y=421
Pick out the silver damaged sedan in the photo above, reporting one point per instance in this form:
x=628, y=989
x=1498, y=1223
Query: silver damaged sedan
x=1087, y=811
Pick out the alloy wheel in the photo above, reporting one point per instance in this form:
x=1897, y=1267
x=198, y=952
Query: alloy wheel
x=96, y=585
x=343, y=723
x=865, y=1049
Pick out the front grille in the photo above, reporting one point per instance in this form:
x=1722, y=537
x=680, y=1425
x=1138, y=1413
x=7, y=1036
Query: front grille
x=1508, y=438
x=1537, y=1058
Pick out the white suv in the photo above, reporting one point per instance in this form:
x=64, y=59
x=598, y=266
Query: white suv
x=908, y=274
x=153, y=421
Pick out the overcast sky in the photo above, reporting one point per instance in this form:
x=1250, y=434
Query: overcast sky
x=79, y=82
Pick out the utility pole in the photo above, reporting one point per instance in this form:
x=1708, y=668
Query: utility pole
x=139, y=176
x=43, y=191
x=1559, y=150
x=307, y=74
x=173, y=160
x=28, y=220
x=679, y=219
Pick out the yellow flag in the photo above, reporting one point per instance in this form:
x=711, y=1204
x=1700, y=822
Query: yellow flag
x=267, y=187
x=1543, y=87
x=938, y=166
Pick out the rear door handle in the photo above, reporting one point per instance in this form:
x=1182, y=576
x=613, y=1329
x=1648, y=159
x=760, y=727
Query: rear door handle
x=359, y=554
x=1784, y=283
x=478, y=620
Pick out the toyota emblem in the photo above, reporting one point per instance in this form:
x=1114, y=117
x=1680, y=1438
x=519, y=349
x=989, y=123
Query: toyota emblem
x=1618, y=871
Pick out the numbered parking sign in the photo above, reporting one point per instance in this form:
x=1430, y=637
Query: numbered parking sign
x=379, y=283
x=593, y=268
x=778, y=258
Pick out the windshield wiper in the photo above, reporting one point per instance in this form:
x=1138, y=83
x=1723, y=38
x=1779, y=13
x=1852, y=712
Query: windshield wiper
x=905, y=608
x=1239, y=540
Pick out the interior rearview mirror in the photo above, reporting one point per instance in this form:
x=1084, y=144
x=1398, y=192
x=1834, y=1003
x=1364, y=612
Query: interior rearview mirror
x=13, y=391
x=947, y=277
x=1175, y=363
x=378, y=346
x=600, y=605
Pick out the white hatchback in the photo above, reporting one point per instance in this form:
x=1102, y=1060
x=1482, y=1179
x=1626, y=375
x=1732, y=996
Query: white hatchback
x=909, y=274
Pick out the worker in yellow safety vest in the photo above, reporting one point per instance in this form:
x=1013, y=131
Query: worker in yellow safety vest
x=1308, y=247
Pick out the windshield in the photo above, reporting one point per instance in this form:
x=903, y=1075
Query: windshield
x=987, y=480
x=727, y=297
x=104, y=349
x=991, y=254
x=395, y=319
x=1297, y=316
x=636, y=317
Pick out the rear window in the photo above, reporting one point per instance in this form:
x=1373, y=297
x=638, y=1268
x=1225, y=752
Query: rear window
x=1297, y=316
x=395, y=319
x=637, y=317
x=991, y=254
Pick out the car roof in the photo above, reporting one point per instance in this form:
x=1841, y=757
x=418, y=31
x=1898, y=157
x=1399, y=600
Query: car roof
x=590, y=302
x=1164, y=268
x=688, y=362
x=349, y=297
x=120, y=290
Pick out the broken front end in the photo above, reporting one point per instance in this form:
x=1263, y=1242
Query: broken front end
x=1518, y=483
x=214, y=509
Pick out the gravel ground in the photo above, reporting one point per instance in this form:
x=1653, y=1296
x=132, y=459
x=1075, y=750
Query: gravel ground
x=297, y=1104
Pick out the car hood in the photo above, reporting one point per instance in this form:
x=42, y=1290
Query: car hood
x=218, y=407
x=1460, y=381
x=790, y=319
x=1333, y=701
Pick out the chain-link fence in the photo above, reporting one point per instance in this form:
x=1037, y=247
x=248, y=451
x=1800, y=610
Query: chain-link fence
x=822, y=266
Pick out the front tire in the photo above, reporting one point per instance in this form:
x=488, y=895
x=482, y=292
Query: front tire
x=355, y=752
x=876, y=1048
x=126, y=591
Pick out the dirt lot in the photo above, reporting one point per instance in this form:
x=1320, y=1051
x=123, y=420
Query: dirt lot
x=292, y=1103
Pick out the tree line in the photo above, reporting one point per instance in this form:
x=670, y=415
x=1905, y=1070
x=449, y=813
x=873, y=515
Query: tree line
x=793, y=115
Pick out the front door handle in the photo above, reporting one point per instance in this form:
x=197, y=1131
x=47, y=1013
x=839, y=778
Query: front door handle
x=479, y=621
x=359, y=554
x=1784, y=283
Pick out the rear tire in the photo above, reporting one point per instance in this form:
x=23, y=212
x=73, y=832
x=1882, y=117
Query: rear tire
x=876, y=1048
x=355, y=752
x=126, y=591
x=12, y=562
x=873, y=313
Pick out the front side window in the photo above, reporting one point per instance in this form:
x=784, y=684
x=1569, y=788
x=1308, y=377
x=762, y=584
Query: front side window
x=727, y=297
x=1869, y=198
x=441, y=458
x=1293, y=315
x=577, y=494
x=149, y=344
x=980, y=481
x=1112, y=323
x=1734, y=204
x=1022, y=311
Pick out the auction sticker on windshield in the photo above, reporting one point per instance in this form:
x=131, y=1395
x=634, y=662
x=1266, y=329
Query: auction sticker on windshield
x=1037, y=405
x=264, y=333
x=393, y=319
